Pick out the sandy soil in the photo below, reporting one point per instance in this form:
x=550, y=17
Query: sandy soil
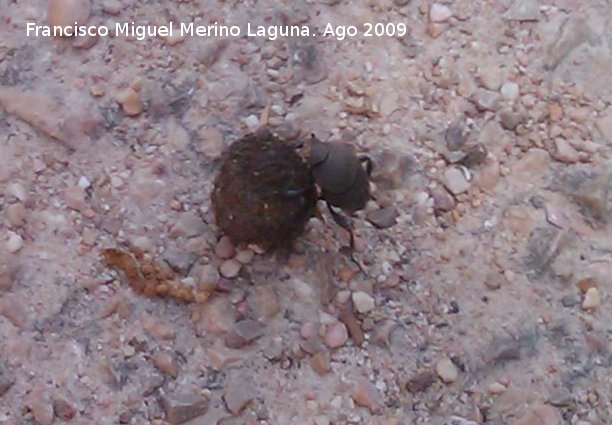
x=485, y=291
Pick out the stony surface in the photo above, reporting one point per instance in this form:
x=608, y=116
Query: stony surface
x=478, y=290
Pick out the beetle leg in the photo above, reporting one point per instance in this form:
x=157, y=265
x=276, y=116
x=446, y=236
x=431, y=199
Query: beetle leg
x=344, y=222
x=368, y=164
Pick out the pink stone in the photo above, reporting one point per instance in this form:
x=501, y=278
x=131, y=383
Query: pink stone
x=336, y=335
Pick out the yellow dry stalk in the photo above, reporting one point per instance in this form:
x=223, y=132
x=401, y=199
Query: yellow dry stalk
x=151, y=278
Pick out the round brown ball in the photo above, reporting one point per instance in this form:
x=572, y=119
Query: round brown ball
x=264, y=192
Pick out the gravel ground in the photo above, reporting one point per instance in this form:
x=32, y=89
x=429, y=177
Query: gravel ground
x=485, y=292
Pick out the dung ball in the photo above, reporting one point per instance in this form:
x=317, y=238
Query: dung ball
x=264, y=192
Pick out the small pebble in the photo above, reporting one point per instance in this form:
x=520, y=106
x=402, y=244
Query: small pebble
x=174, y=39
x=494, y=281
x=308, y=330
x=84, y=182
x=207, y=274
x=564, y=152
x=458, y=420
x=166, y=363
x=420, y=381
x=523, y=10
x=509, y=90
x=555, y=111
x=363, y=302
x=230, y=268
x=347, y=316
x=474, y=155
x=211, y=142
x=112, y=7
x=217, y=317
x=97, y=90
x=510, y=120
x=244, y=332
x=8, y=270
x=74, y=196
x=252, y=122
x=456, y=134
x=321, y=362
x=273, y=350
x=443, y=201
x=336, y=335
x=490, y=77
x=446, y=370
x=343, y=296
x=130, y=102
x=245, y=256
x=496, y=388
x=14, y=242
x=439, y=13
x=592, y=299
x=63, y=409
x=225, y=248
x=16, y=214
x=65, y=13
x=17, y=190
x=188, y=225
x=184, y=406
x=158, y=328
x=455, y=181
x=383, y=218
x=435, y=29
x=238, y=392
x=366, y=395
x=486, y=100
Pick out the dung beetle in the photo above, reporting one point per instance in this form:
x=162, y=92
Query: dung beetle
x=343, y=177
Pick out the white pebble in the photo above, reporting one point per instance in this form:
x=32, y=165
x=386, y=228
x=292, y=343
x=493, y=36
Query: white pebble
x=509, y=90
x=84, y=182
x=336, y=335
x=455, y=181
x=363, y=302
x=14, y=242
x=439, y=13
x=496, y=388
x=252, y=122
x=592, y=299
x=17, y=190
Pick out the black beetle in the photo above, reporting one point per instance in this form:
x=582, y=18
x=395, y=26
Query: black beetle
x=343, y=179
